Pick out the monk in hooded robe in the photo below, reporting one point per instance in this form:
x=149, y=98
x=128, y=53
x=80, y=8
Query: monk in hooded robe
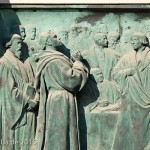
x=58, y=79
x=17, y=117
x=132, y=73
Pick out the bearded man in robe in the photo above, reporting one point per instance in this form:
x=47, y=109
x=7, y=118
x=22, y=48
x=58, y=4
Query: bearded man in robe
x=17, y=103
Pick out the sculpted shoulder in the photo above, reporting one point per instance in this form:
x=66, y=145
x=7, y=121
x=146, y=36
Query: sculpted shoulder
x=3, y=61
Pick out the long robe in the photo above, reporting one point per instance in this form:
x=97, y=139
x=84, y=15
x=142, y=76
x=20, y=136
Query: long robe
x=57, y=80
x=17, y=124
x=135, y=89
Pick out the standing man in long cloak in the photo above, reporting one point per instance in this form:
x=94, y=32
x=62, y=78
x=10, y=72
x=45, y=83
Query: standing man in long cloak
x=17, y=115
x=132, y=73
x=58, y=79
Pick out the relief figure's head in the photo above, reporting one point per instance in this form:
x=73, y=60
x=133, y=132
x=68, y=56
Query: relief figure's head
x=97, y=74
x=53, y=40
x=139, y=41
x=100, y=39
x=113, y=39
x=31, y=32
x=14, y=44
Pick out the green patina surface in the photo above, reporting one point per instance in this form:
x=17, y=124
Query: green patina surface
x=75, y=78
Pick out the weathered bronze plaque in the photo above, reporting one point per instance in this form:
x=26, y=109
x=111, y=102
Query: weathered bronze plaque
x=74, y=77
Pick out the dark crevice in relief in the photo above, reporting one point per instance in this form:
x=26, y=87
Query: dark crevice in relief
x=8, y=19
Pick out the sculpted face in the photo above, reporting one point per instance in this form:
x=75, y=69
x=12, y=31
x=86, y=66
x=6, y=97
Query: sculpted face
x=113, y=41
x=101, y=40
x=98, y=75
x=54, y=41
x=136, y=42
x=16, y=47
x=22, y=33
x=32, y=33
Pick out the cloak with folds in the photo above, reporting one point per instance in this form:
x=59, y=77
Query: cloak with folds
x=135, y=116
x=17, y=124
x=57, y=80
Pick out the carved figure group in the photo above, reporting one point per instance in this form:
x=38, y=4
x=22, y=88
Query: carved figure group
x=45, y=88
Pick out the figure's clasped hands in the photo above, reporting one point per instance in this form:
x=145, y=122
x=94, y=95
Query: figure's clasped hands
x=77, y=56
